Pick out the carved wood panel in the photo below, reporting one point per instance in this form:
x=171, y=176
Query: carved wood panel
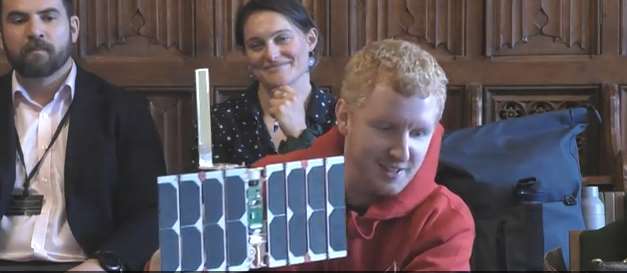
x=137, y=28
x=511, y=102
x=541, y=27
x=439, y=25
x=173, y=28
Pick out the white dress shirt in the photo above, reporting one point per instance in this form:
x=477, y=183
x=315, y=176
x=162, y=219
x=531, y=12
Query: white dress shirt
x=44, y=237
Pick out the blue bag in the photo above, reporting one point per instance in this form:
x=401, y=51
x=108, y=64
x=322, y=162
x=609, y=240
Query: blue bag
x=521, y=179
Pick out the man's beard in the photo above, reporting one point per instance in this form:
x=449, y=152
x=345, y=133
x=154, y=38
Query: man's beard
x=33, y=67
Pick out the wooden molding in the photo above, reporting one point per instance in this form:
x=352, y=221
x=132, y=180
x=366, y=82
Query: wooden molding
x=474, y=99
x=575, y=250
x=611, y=133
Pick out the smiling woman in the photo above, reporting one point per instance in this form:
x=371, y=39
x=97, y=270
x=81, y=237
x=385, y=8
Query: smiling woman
x=282, y=110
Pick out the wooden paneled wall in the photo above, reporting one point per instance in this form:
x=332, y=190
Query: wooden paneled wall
x=504, y=58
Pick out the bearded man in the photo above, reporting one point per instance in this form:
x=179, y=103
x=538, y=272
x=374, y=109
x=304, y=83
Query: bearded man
x=78, y=157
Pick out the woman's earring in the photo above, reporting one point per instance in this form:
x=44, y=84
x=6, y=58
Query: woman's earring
x=311, y=62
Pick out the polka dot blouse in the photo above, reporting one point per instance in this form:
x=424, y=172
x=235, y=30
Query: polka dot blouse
x=239, y=134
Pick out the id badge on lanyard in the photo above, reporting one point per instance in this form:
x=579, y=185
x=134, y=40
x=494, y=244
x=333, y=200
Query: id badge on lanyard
x=25, y=205
x=28, y=204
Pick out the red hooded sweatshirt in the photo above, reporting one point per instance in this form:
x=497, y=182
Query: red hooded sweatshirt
x=424, y=227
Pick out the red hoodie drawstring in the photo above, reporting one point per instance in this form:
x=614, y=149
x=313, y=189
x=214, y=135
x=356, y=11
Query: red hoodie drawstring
x=363, y=228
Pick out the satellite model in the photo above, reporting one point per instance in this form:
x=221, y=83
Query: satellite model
x=233, y=218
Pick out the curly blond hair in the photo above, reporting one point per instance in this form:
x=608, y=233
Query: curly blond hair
x=407, y=68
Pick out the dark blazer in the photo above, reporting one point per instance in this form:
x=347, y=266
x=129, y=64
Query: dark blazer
x=113, y=158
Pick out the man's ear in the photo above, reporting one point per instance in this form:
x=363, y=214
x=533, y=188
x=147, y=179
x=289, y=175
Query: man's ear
x=341, y=116
x=75, y=27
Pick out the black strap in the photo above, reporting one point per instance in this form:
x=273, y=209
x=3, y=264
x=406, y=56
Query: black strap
x=35, y=169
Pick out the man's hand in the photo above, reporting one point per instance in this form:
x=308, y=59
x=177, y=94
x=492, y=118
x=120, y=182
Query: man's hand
x=90, y=265
x=288, y=110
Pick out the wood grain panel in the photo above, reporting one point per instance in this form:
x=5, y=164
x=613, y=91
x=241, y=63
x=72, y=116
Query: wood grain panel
x=438, y=25
x=173, y=111
x=453, y=116
x=542, y=27
x=137, y=28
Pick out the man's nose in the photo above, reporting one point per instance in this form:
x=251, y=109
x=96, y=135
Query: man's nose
x=400, y=149
x=35, y=29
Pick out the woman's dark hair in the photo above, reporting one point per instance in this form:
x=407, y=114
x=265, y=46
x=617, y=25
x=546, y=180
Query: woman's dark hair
x=293, y=10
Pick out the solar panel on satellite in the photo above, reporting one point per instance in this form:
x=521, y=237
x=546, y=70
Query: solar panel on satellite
x=316, y=213
x=296, y=212
x=236, y=183
x=169, y=228
x=214, y=221
x=336, y=207
x=191, y=222
x=276, y=223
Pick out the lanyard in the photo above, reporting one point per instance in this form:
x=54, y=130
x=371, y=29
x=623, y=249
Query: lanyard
x=20, y=153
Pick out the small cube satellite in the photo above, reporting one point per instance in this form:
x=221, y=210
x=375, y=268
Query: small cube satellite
x=233, y=218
